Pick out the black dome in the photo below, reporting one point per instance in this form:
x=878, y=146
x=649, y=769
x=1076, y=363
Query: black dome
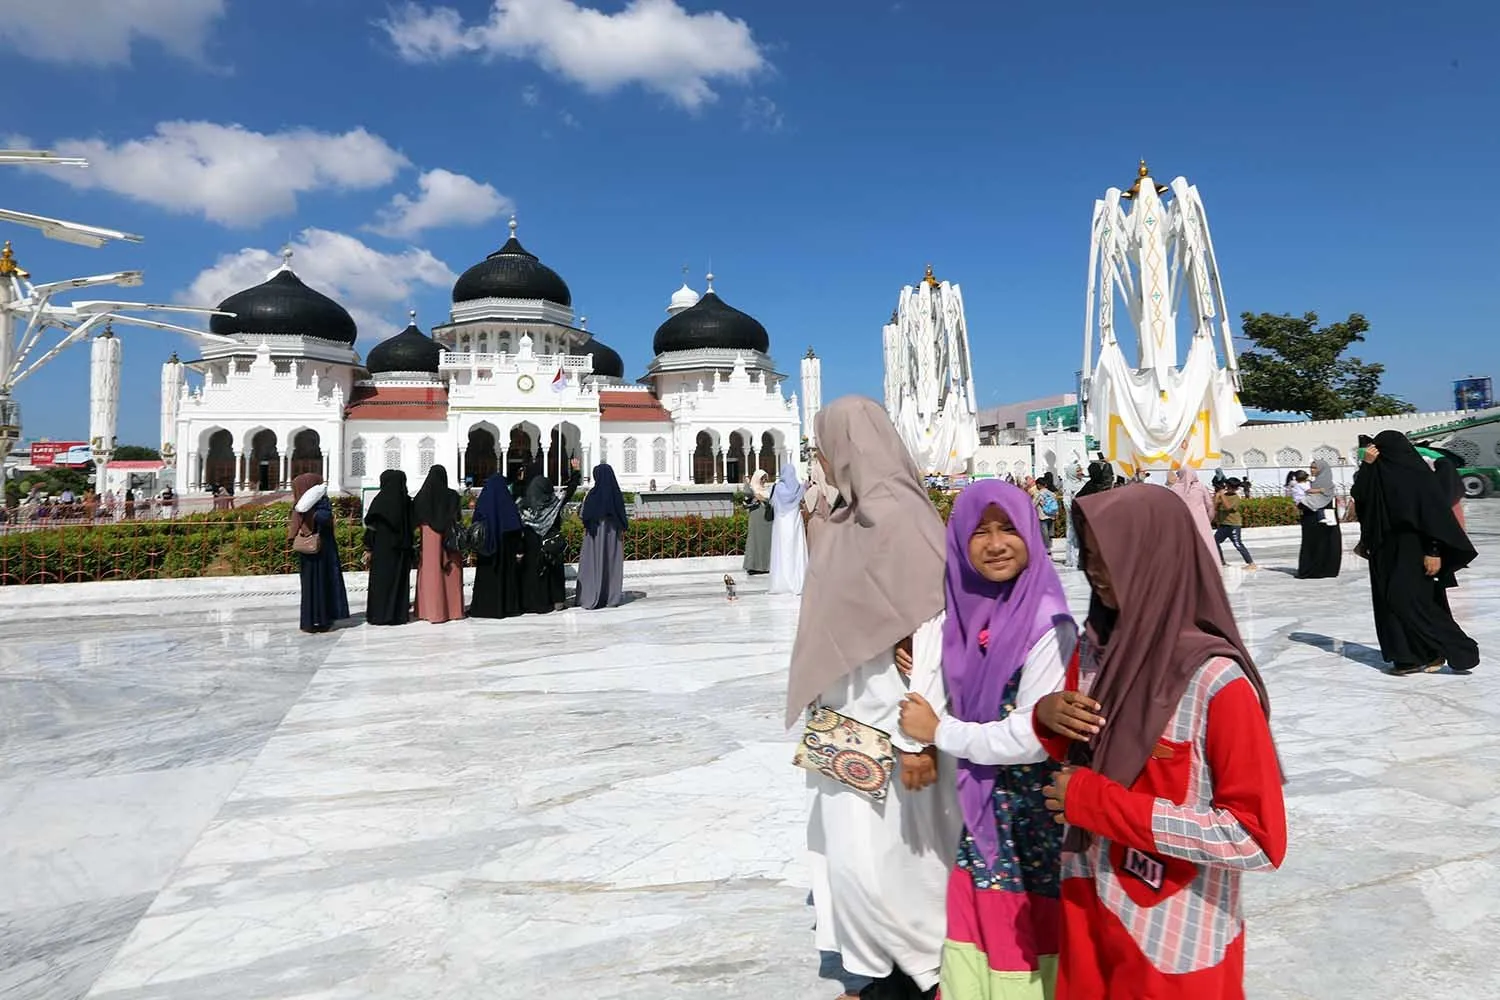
x=711, y=323
x=512, y=273
x=607, y=362
x=411, y=350
x=283, y=304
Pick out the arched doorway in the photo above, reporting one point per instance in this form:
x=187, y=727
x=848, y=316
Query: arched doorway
x=734, y=459
x=307, y=453
x=264, y=461
x=562, y=448
x=769, y=461
x=521, y=454
x=480, y=457
x=703, y=459
x=218, y=463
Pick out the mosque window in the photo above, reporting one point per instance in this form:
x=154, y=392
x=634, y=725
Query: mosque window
x=357, y=459
x=393, y=453
x=659, y=456
x=1289, y=458
x=484, y=343
x=1255, y=458
x=629, y=456
x=1323, y=453
x=426, y=455
x=1227, y=458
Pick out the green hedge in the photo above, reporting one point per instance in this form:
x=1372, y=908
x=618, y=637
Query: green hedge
x=251, y=541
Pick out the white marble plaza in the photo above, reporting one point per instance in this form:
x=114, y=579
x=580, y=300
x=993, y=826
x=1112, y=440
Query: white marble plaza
x=198, y=802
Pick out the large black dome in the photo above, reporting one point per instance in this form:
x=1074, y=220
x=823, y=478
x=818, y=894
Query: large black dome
x=711, y=323
x=512, y=273
x=411, y=350
x=607, y=361
x=283, y=304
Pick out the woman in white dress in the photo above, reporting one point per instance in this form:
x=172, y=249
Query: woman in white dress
x=788, y=536
x=879, y=869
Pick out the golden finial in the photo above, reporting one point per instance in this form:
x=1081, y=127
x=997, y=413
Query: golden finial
x=1141, y=174
x=929, y=277
x=8, y=265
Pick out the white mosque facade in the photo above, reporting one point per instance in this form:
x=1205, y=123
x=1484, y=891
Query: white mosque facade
x=510, y=383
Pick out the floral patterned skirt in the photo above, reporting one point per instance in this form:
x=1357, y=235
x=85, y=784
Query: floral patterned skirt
x=1004, y=919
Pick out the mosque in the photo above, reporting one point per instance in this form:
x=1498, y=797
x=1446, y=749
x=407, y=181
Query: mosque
x=509, y=383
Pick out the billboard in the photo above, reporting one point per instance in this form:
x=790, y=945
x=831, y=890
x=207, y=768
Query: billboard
x=1050, y=417
x=1472, y=394
x=68, y=454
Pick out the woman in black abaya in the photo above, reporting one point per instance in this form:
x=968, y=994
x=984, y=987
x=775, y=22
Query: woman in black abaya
x=1415, y=546
x=389, y=530
x=544, y=586
x=1322, y=549
x=497, y=556
x=601, y=564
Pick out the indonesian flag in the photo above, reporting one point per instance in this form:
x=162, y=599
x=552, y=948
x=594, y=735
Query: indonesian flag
x=559, y=382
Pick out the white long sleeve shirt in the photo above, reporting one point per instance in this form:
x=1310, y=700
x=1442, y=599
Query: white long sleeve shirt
x=1011, y=740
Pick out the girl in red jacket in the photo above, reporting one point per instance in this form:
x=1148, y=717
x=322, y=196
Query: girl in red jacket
x=1172, y=788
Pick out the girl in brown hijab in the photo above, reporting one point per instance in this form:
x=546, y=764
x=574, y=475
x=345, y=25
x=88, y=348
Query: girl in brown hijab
x=1173, y=788
x=324, y=599
x=879, y=870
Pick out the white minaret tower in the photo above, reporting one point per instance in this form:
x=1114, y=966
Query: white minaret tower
x=812, y=394
x=173, y=381
x=104, y=401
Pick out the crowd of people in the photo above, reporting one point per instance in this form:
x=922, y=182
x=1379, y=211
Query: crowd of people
x=1011, y=803
x=514, y=539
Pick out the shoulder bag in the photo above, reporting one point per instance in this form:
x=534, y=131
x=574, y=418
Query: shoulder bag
x=307, y=544
x=847, y=751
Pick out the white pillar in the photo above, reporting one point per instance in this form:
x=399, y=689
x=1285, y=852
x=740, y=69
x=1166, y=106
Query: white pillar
x=104, y=402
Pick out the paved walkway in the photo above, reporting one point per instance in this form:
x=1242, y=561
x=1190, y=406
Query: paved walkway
x=198, y=802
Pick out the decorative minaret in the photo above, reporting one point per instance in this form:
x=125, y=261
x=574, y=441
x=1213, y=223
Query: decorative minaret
x=812, y=394
x=173, y=382
x=1152, y=277
x=929, y=381
x=104, y=401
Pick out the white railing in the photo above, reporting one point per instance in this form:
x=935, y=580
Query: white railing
x=511, y=362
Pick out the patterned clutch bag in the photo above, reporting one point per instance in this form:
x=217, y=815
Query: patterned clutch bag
x=848, y=751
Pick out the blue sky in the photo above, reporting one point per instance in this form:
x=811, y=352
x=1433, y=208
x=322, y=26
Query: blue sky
x=818, y=153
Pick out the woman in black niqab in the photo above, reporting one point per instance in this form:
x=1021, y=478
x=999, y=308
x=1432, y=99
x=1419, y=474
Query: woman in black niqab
x=390, y=545
x=1415, y=547
x=436, y=505
x=497, y=554
x=601, y=562
x=544, y=586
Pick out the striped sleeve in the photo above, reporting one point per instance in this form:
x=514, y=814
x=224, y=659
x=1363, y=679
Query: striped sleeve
x=1245, y=826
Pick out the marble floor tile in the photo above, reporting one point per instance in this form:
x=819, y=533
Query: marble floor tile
x=202, y=802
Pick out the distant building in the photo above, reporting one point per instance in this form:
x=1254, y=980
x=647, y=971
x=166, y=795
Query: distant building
x=1008, y=424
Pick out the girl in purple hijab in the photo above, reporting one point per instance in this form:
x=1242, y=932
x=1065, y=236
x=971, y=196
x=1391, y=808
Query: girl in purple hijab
x=1007, y=639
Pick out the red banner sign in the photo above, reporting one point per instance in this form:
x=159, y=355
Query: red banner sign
x=69, y=454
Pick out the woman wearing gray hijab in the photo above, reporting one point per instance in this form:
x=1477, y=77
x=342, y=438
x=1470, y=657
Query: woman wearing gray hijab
x=1322, y=541
x=875, y=584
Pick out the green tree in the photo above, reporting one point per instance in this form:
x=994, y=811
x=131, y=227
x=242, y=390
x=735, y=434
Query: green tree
x=1293, y=365
x=136, y=453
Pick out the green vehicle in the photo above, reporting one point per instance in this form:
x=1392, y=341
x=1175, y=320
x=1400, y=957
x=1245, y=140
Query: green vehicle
x=1467, y=443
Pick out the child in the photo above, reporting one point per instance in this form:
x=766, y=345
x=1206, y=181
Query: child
x=1175, y=789
x=1231, y=521
x=1007, y=637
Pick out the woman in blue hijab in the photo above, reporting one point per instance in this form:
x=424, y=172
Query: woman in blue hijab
x=788, y=534
x=497, y=552
x=601, y=561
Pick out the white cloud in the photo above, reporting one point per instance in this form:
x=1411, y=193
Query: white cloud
x=102, y=32
x=375, y=287
x=654, y=43
x=444, y=199
x=761, y=114
x=228, y=173
x=531, y=95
